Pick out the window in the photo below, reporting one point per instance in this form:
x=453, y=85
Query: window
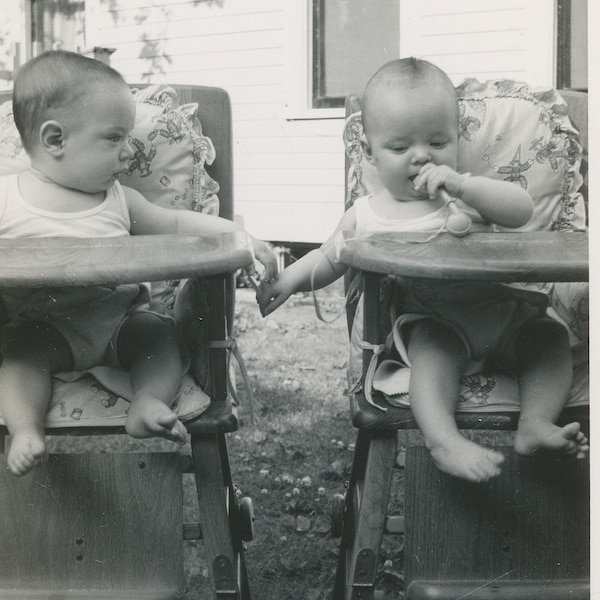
x=351, y=39
x=29, y=27
x=572, y=44
x=57, y=24
x=333, y=46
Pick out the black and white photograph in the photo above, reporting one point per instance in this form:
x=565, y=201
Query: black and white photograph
x=295, y=300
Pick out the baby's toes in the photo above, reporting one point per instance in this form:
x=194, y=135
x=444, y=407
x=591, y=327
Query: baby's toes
x=21, y=465
x=179, y=432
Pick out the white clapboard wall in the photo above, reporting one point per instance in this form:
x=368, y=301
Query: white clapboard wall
x=289, y=167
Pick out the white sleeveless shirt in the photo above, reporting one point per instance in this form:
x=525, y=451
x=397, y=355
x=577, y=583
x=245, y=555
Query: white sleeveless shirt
x=18, y=218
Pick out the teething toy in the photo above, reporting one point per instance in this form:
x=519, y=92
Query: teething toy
x=458, y=223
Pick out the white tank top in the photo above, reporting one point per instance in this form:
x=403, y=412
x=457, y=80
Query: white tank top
x=368, y=221
x=18, y=218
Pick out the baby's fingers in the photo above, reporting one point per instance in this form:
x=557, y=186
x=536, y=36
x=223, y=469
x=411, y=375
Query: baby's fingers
x=265, y=255
x=428, y=180
x=272, y=303
x=263, y=293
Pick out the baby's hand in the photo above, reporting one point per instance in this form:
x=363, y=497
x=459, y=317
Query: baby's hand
x=270, y=295
x=265, y=255
x=433, y=177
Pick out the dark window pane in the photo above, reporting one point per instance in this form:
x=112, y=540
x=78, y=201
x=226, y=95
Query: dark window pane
x=572, y=60
x=351, y=39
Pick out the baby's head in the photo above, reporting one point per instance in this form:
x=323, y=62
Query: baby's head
x=56, y=85
x=410, y=118
x=402, y=80
x=74, y=115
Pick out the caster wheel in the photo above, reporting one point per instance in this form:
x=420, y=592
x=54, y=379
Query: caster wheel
x=246, y=519
x=337, y=515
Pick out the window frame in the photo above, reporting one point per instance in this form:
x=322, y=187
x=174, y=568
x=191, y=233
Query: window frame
x=299, y=60
x=319, y=99
x=299, y=78
x=563, y=45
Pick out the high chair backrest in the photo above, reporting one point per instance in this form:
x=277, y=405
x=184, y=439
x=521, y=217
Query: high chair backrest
x=577, y=106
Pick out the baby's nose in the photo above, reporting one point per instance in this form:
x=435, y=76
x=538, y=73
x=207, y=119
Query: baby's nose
x=421, y=157
x=127, y=152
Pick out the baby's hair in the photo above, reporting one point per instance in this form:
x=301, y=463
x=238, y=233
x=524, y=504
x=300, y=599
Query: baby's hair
x=52, y=82
x=403, y=74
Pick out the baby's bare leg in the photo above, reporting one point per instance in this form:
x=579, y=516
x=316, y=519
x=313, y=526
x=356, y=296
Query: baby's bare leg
x=148, y=346
x=546, y=376
x=31, y=354
x=438, y=356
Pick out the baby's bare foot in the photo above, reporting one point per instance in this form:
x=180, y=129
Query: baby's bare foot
x=150, y=417
x=27, y=448
x=462, y=458
x=537, y=434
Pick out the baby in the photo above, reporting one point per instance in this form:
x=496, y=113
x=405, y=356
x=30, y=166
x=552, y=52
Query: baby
x=74, y=115
x=410, y=122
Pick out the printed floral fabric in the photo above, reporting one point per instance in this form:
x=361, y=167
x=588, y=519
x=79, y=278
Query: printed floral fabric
x=168, y=168
x=512, y=132
x=171, y=153
x=13, y=158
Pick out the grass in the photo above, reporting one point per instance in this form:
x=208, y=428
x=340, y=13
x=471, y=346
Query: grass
x=297, y=454
x=291, y=460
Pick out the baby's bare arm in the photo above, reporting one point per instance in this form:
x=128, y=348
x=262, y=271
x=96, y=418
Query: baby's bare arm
x=502, y=202
x=147, y=218
x=313, y=271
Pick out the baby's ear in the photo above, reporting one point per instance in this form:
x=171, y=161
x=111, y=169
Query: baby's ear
x=366, y=148
x=52, y=137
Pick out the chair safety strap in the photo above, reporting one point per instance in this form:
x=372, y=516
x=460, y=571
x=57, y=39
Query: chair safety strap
x=230, y=344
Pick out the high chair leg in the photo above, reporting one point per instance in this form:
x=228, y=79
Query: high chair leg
x=220, y=518
x=365, y=514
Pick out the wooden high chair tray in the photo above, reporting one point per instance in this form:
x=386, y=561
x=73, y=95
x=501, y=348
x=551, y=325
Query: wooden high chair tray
x=44, y=262
x=518, y=256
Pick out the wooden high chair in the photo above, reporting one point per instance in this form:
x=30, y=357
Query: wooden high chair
x=111, y=524
x=522, y=535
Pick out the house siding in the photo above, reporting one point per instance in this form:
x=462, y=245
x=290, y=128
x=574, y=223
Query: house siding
x=289, y=172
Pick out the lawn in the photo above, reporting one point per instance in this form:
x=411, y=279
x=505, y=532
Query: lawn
x=298, y=452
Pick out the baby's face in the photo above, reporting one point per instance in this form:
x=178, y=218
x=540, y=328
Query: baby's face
x=96, y=146
x=409, y=131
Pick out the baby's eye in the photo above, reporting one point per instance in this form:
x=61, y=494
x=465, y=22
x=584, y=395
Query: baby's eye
x=115, y=138
x=400, y=149
x=438, y=144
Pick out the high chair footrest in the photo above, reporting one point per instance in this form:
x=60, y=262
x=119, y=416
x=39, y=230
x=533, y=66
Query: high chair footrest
x=109, y=523
x=530, y=523
x=499, y=590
